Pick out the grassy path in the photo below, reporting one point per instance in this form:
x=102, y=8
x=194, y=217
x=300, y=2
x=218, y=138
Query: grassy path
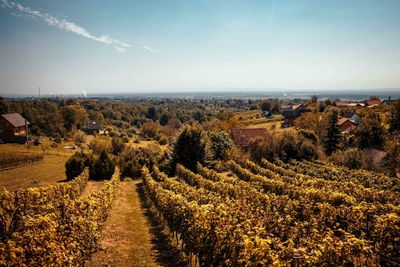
x=130, y=236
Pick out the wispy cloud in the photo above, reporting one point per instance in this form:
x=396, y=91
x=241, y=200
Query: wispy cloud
x=61, y=23
x=148, y=48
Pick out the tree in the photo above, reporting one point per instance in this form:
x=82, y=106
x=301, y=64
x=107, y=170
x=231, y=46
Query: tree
x=151, y=113
x=370, y=133
x=392, y=147
x=199, y=116
x=266, y=106
x=394, y=121
x=74, y=117
x=164, y=119
x=103, y=167
x=220, y=143
x=314, y=99
x=331, y=136
x=189, y=148
x=3, y=107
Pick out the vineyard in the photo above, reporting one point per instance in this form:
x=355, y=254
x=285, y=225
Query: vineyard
x=12, y=160
x=299, y=213
x=53, y=225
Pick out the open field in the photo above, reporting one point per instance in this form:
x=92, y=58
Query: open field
x=49, y=171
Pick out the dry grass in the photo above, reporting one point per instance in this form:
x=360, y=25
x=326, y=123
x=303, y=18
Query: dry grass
x=49, y=171
x=267, y=125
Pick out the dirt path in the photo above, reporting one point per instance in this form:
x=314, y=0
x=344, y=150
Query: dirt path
x=129, y=238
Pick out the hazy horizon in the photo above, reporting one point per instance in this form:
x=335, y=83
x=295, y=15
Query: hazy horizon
x=132, y=47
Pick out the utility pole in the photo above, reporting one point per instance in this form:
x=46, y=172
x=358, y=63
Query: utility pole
x=39, y=91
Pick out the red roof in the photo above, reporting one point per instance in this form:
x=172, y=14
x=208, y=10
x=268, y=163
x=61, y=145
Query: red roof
x=373, y=102
x=343, y=120
x=15, y=119
x=340, y=103
x=243, y=136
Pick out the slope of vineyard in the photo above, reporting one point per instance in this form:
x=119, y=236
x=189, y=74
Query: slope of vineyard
x=280, y=214
x=56, y=227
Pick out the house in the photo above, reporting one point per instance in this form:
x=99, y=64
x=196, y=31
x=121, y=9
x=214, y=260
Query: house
x=13, y=128
x=356, y=119
x=92, y=128
x=372, y=102
x=341, y=104
x=345, y=104
x=346, y=125
x=243, y=136
x=291, y=112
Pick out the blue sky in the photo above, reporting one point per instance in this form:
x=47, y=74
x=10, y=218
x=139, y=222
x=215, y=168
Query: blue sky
x=149, y=46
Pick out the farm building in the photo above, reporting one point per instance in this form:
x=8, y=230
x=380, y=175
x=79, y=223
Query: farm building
x=92, y=128
x=13, y=128
x=243, y=136
x=346, y=125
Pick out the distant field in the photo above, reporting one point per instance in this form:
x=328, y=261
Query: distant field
x=254, y=119
x=50, y=170
x=267, y=125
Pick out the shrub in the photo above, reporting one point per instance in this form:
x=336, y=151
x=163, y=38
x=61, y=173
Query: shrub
x=351, y=158
x=150, y=130
x=76, y=164
x=73, y=167
x=118, y=145
x=100, y=143
x=290, y=144
x=163, y=140
x=103, y=167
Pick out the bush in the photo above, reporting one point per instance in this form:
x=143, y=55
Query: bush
x=290, y=144
x=76, y=164
x=100, y=143
x=103, y=167
x=163, y=140
x=118, y=145
x=351, y=158
x=310, y=135
x=133, y=159
x=73, y=167
x=150, y=130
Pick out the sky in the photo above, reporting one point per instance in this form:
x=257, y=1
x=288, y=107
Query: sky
x=93, y=46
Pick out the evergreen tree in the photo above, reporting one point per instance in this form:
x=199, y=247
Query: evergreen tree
x=394, y=122
x=370, y=133
x=332, y=136
x=189, y=148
